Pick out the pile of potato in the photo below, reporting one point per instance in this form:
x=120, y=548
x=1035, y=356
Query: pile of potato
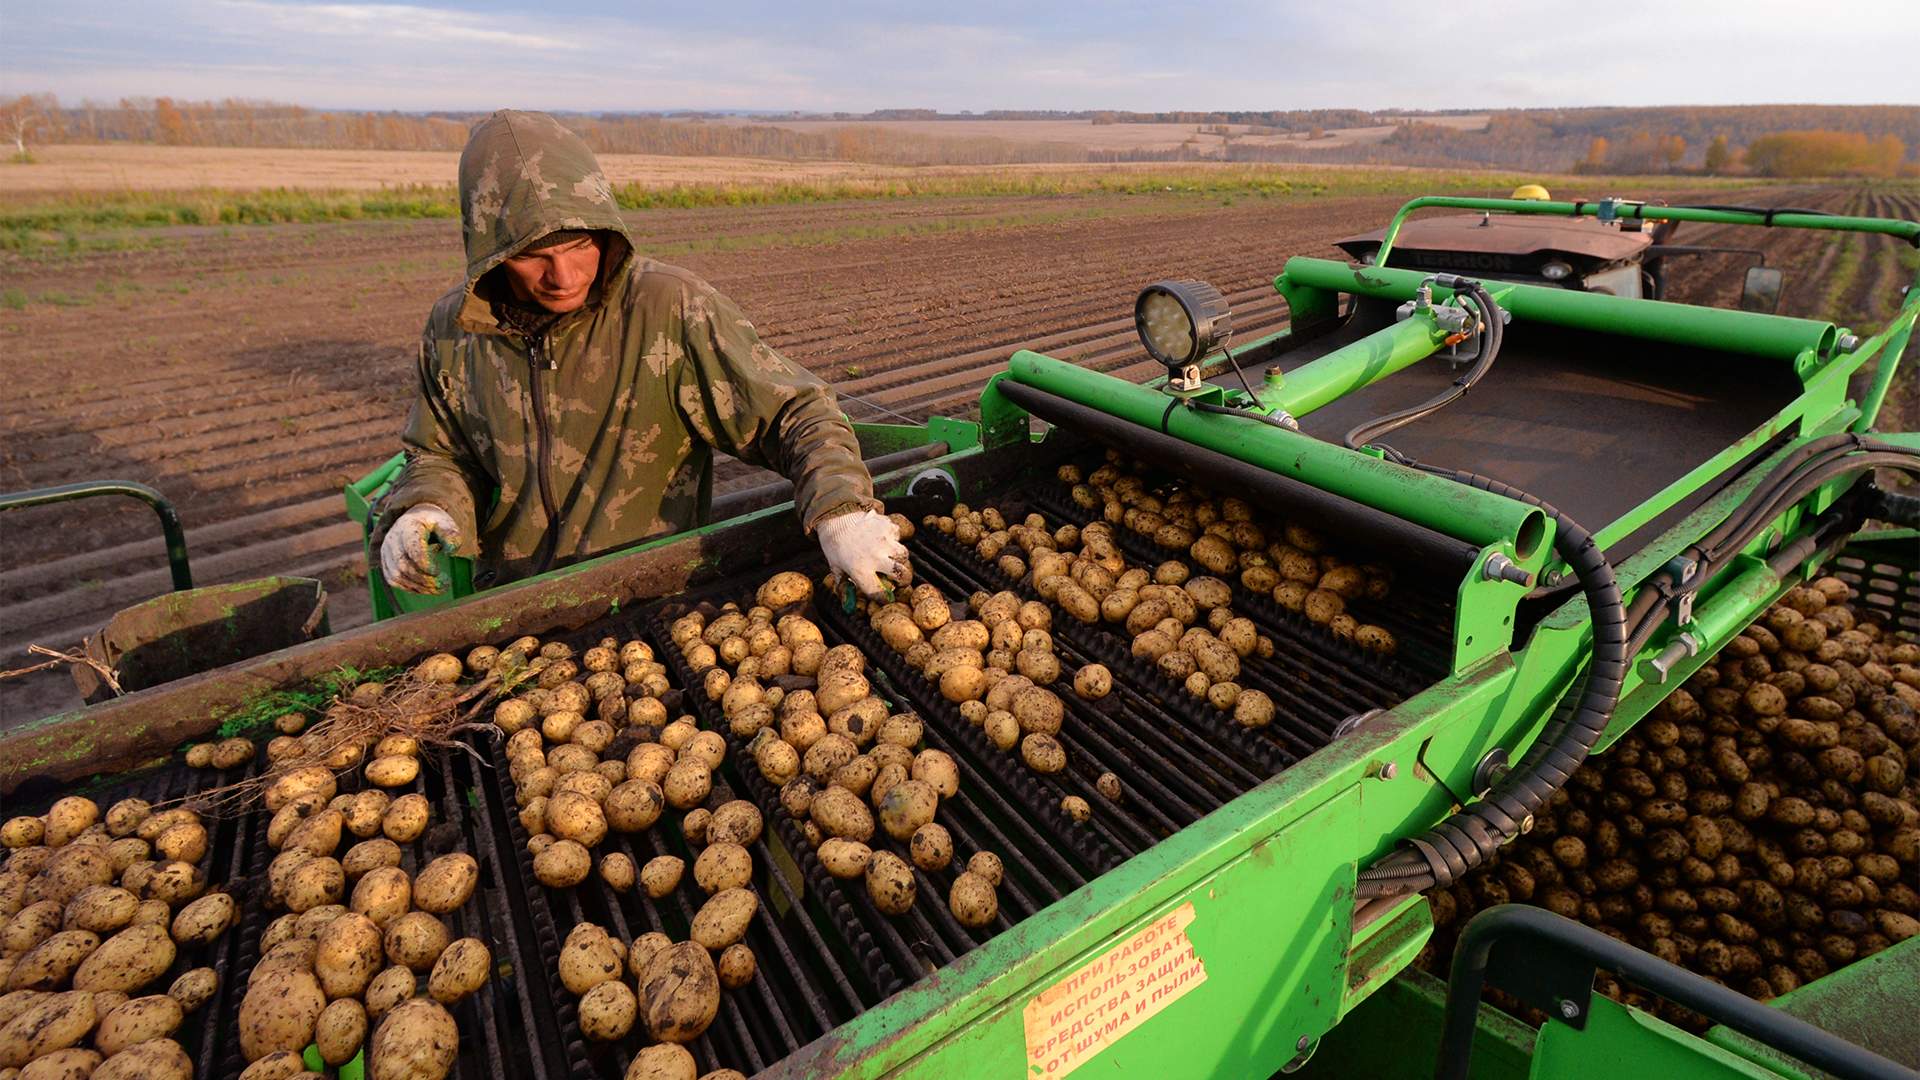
x=1287, y=561
x=674, y=994
x=1761, y=826
x=357, y=934
x=95, y=912
x=843, y=762
x=1182, y=624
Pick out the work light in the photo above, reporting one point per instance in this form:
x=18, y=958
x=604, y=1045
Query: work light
x=1180, y=322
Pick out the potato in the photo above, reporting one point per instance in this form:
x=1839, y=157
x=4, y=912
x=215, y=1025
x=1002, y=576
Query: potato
x=30, y=926
x=341, y=1031
x=664, y=1061
x=937, y=768
x=125, y=816
x=68, y=818
x=417, y=1040
x=416, y=940
x=724, y=918
x=73, y=1063
x=722, y=866
x=50, y=1023
x=25, y=831
x=1043, y=753
x=315, y=882
x=1253, y=708
x=462, y=969
x=687, y=784
x=681, y=992
x=907, y=806
x=389, y=988
x=972, y=900
x=70, y=870
x=172, y=882
x=155, y=1059
x=891, y=883
x=394, y=770
x=736, y=965
x=49, y=964
x=607, y=1011
x=281, y=1007
x=641, y=952
x=843, y=858
x=194, y=988
x=931, y=847
x=589, y=958
x=1038, y=710
x=155, y=1017
x=618, y=871
x=314, y=780
x=369, y=855
x=735, y=822
x=634, y=804
x=406, y=818
x=279, y=1065
x=446, y=882
x=840, y=812
x=383, y=894
x=347, y=955
x=1076, y=808
x=127, y=961
x=102, y=909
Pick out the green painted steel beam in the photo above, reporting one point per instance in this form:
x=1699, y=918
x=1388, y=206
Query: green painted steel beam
x=1776, y=337
x=1478, y=517
x=1352, y=367
x=1891, y=346
x=1905, y=230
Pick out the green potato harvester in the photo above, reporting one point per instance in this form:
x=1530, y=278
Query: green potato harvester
x=1582, y=498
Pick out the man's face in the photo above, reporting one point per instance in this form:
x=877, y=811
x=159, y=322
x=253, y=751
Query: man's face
x=556, y=278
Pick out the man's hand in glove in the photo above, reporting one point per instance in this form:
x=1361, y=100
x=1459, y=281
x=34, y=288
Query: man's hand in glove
x=862, y=547
x=405, y=560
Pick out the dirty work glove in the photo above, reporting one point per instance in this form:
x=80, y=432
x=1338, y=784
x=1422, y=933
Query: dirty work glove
x=862, y=547
x=405, y=560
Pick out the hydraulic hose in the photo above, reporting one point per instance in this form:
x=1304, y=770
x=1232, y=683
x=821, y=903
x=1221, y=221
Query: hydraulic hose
x=1492, y=334
x=1471, y=834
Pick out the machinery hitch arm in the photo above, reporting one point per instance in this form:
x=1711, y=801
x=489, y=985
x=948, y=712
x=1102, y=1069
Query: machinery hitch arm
x=1549, y=962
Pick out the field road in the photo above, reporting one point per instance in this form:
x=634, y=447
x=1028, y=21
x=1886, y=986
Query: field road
x=250, y=372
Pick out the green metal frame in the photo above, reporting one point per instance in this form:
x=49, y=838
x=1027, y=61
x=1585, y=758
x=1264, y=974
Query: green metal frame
x=170, y=528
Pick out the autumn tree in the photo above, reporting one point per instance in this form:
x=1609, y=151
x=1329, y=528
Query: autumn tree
x=1718, y=155
x=27, y=113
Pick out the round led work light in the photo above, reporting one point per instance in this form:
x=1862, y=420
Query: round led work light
x=1180, y=322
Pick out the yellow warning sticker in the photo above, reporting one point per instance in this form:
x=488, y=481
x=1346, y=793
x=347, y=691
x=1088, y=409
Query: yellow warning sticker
x=1086, y=1012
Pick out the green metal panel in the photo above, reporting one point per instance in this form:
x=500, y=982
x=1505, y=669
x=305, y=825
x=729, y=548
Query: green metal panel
x=1619, y=1041
x=1856, y=1003
x=1395, y=1035
x=1774, y=337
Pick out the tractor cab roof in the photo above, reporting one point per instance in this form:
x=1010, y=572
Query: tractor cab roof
x=1497, y=236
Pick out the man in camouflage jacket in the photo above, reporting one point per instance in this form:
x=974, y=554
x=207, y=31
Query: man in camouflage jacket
x=572, y=392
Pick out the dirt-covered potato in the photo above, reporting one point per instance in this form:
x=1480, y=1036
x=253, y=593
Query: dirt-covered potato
x=406, y=818
x=663, y=1061
x=279, y=1065
x=907, y=806
x=1076, y=808
x=661, y=875
x=127, y=961
x=607, y=1011
x=735, y=822
x=724, y=918
x=155, y=1059
x=368, y=855
x=73, y=1063
x=681, y=991
x=25, y=831
x=46, y=1024
x=987, y=865
x=973, y=900
x=392, y=771
x=282, y=1004
x=722, y=865
x=154, y=1017
x=618, y=871
x=462, y=969
x=1253, y=708
x=1043, y=753
x=1093, y=682
x=784, y=589
x=347, y=954
x=687, y=784
x=931, y=847
x=49, y=964
x=937, y=769
x=205, y=919
x=844, y=858
x=840, y=812
x=68, y=818
x=563, y=864
x=317, y=881
x=124, y=816
x=445, y=883
x=194, y=988
x=102, y=909
x=389, y=988
x=589, y=957
x=383, y=894
x=314, y=780
x=416, y=940
x=416, y=1040
x=890, y=882
x=1376, y=639
x=736, y=965
x=341, y=1031
x=641, y=952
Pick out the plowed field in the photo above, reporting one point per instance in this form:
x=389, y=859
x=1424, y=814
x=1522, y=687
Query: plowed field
x=249, y=373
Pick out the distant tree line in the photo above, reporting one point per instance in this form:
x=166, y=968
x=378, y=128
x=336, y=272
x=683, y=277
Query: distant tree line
x=1774, y=140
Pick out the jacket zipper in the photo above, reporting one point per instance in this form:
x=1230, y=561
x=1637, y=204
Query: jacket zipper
x=543, y=450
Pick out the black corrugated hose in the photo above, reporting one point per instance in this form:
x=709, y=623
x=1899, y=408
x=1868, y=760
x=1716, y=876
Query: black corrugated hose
x=1470, y=834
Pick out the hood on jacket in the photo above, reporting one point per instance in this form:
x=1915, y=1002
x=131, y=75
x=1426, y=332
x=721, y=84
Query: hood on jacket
x=524, y=175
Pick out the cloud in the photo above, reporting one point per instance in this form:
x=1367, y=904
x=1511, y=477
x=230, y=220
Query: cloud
x=865, y=54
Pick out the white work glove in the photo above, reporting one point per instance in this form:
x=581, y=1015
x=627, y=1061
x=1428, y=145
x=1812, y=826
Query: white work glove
x=862, y=547
x=405, y=560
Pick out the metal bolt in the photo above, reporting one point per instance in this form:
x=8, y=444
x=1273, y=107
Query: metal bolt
x=1569, y=1009
x=1390, y=770
x=1305, y=1041
x=1849, y=342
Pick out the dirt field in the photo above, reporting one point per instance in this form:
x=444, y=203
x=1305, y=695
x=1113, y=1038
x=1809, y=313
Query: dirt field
x=1092, y=136
x=250, y=373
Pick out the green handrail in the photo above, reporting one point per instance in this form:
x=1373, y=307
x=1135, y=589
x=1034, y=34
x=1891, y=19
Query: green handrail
x=1608, y=208
x=169, y=521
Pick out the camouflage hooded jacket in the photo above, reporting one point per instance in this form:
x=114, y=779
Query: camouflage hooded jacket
x=598, y=431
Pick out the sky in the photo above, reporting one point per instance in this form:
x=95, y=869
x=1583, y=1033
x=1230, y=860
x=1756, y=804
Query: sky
x=976, y=54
